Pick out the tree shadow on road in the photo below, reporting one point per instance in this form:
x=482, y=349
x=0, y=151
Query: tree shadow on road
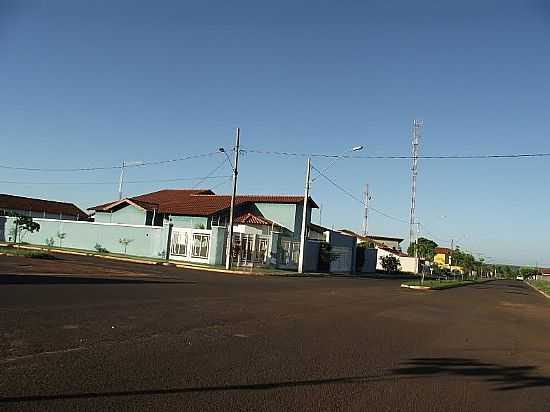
x=505, y=378
x=74, y=280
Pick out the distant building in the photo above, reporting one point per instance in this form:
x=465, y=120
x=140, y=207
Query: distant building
x=39, y=208
x=544, y=274
x=390, y=242
x=388, y=246
x=443, y=259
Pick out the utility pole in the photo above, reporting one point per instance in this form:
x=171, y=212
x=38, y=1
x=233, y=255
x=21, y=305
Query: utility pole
x=417, y=125
x=366, y=216
x=229, y=249
x=121, y=181
x=303, y=234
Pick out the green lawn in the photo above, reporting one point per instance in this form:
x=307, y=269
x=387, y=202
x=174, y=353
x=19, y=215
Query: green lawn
x=442, y=284
x=543, y=285
x=36, y=254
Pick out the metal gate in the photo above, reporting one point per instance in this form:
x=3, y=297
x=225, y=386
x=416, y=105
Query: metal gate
x=341, y=259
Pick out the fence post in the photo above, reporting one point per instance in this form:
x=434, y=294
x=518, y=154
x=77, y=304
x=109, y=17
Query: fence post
x=169, y=241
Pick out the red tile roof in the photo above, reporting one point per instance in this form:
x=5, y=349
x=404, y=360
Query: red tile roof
x=443, y=250
x=201, y=202
x=251, y=219
x=24, y=204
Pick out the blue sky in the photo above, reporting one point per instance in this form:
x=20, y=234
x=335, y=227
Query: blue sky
x=95, y=83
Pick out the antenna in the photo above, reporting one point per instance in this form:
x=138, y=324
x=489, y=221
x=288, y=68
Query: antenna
x=417, y=126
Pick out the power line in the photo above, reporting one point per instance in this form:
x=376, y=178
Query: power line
x=177, y=179
x=352, y=196
x=91, y=169
x=399, y=157
x=222, y=163
x=221, y=183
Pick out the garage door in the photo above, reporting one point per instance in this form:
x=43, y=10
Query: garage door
x=340, y=259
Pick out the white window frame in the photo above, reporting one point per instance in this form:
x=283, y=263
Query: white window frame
x=200, y=237
x=178, y=245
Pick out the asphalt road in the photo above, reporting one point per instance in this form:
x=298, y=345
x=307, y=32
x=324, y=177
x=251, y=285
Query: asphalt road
x=211, y=342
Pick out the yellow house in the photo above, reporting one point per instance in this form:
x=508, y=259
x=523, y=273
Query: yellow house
x=443, y=259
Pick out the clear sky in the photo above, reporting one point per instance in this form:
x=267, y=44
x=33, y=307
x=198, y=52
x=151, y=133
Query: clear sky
x=94, y=83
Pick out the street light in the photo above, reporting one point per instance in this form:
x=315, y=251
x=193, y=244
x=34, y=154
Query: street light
x=303, y=234
x=121, y=180
x=340, y=156
x=234, y=168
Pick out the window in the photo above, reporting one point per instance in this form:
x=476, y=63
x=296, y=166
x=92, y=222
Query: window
x=179, y=243
x=200, y=245
x=285, y=252
x=295, y=252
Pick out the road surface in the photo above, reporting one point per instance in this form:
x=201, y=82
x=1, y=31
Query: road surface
x=212, y=342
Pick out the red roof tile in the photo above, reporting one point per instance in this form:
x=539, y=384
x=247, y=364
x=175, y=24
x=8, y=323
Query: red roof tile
x=251, y=219
x=443, y=250
x=11, y=202
x=202, y=202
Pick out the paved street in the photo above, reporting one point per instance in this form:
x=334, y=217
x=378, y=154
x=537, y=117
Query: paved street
x=212, y=342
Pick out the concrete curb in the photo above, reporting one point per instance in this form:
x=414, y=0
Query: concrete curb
x=546, y=295
x=450, y=287
x=416, y=287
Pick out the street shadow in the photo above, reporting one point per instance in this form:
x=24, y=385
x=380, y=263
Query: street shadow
x=505, y=378
x=176, y=391
x=76, y=280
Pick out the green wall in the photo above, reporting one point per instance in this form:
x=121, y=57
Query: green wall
x=128, y=215
x=283, y=214
x=146, y=241
x=189, y=222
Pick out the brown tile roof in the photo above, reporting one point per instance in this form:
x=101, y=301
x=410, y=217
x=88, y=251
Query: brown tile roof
x=11, y=202
x=377, y=243
x=251, y=219
x=443, y=250
x=374, y=237
x=201, y=202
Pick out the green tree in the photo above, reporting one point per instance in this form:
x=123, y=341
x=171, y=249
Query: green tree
x=528, y=272
x=125, y=242
x=390, y=263
x=426, y=248
x=24, y=224
x=61, y=236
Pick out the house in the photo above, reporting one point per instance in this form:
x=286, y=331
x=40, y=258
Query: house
x=391, y=242
x=266, y=227
x=11, y=205
x=387, y=246
x=544, y=274
x=443, y=259
x=329, y=251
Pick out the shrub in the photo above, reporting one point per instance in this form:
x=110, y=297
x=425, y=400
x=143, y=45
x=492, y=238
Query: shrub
x=100, y=249
x=390, y=263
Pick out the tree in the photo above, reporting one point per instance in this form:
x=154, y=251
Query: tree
x=24, y=224
x=426, y=248
x=125, y=242
x=390, y=263
x=61, y=236
x=528, y=272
